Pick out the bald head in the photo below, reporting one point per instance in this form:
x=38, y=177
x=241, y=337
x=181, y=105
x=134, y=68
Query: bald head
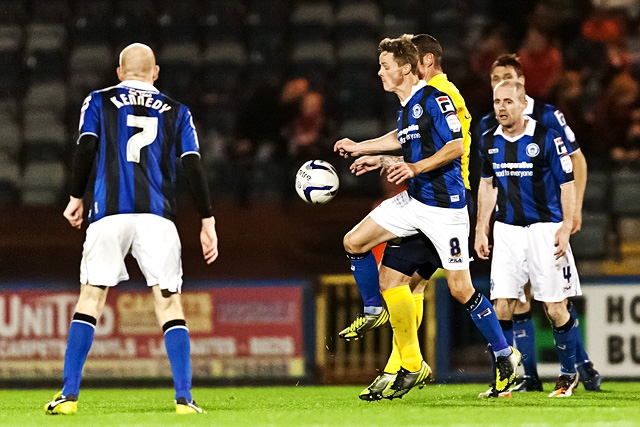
x=137, y=62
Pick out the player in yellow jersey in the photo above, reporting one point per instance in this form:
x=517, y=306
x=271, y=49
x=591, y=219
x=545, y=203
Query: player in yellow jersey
x=413, y=260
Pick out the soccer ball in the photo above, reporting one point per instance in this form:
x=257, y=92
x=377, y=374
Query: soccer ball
x=317, y=182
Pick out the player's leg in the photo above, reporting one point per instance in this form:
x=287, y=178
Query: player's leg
x=106, y=244
x=525, y=340
x=79, y=339
x=564, y=333
x=553, y=281
x=157, y=249
x=177, y=343
x=590, y=378
x=358, y=242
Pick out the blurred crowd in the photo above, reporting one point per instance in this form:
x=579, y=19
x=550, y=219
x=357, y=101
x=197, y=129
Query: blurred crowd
x=274, y=83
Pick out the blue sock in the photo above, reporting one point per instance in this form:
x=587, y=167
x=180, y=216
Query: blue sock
x=581, y=354
x=365, y=271
x=525, y=338
x=483, y=315
x=507, y=330
x=565, y=337
x=79, y=342
x=176, y=341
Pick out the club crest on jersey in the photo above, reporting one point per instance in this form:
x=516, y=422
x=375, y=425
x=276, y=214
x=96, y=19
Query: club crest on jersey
x=533, y=149
x=445, y=104
x=417, y=111
x=560, y=147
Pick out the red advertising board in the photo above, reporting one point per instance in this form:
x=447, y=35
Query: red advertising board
x=235, y=332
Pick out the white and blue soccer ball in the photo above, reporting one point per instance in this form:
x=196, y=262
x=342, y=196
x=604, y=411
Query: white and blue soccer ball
x=317, y=182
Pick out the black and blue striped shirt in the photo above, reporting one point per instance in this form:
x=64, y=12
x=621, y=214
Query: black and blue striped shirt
x=528, y=171
x=427, y=121
x=140, y=134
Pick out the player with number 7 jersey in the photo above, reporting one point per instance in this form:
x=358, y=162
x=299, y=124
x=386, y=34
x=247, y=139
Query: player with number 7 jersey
x=152, y=130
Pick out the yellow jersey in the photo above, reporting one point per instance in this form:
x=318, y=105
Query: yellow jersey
x=442, y=83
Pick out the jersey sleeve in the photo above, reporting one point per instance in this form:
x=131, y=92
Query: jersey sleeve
x=446, y=123
x=187, y=135
x=556, y=120
x=90, y=116
x=486, y=169
x=558, y=157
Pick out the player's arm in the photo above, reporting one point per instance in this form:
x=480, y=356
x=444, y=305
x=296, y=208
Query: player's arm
x=382, y=144
x=487, y=197
x=400, y=172
x=202, y=199
x=83, y=158
x=366, y=164
x=579, y=163
x=568, y=200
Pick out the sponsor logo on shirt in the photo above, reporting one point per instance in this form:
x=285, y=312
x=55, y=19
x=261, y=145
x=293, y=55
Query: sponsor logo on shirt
x=454, y=123
x=565, y=161
x=560, y=147
x=445, y=104
x=493, y=150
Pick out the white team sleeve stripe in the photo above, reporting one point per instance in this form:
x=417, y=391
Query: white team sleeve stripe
x=190, y=152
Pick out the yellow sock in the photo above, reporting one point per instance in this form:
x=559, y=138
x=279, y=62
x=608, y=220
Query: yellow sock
x=418, y=299
x=394, y=362
x=402, y=315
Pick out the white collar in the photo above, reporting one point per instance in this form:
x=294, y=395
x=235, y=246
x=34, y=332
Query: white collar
x=137, y=84
x=528, y=111
x=528, y=130
x=414, y=89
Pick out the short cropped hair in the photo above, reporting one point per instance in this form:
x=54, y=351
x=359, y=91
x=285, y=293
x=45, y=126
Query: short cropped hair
x=508, y=60
x=428, y=44
x=513, y=84
x=403, y=51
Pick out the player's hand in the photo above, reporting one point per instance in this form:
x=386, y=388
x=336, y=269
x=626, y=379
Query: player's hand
x=482, y=246
x=561, y=241
x=577, y=222
x=74, y=212
x=346, y=147
x=209, y=239
x=400, y=172
x=365, y=164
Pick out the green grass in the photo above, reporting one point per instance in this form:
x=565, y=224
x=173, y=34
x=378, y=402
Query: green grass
x=618, y=404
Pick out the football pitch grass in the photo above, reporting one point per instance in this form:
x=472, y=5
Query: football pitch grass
x=618, y=404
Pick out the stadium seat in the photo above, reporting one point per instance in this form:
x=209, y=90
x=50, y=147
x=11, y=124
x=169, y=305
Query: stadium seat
x=51, y=11
x=358, y=19
x=10, y=138
x=45, y=49
x=626, y=193
x=312, y=21
x=13, y=12
x=135, y=22
x=222, y=66
x=51, y=95
x=176, y=21
x=91, y=23
x=9, y=182
x=592, y=242
x=361, y=129
x=222, y=20
x=45, y=136
x=313, y=60
x=43, y=183
x=597, y=191
x=11, y=40
x=358, y=87
x=179, y=68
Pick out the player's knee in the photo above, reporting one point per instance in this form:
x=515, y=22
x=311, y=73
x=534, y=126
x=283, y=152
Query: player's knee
x=557, y=312
x=351, y=245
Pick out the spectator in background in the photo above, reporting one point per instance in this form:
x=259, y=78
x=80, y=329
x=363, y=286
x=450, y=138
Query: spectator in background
x=541, y=62
x=260, y=136
x=308, y=130
x=627, y=154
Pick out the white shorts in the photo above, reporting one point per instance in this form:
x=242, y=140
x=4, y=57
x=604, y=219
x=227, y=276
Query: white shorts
x=152, y=240
x=447, y=228
x=526, y=253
